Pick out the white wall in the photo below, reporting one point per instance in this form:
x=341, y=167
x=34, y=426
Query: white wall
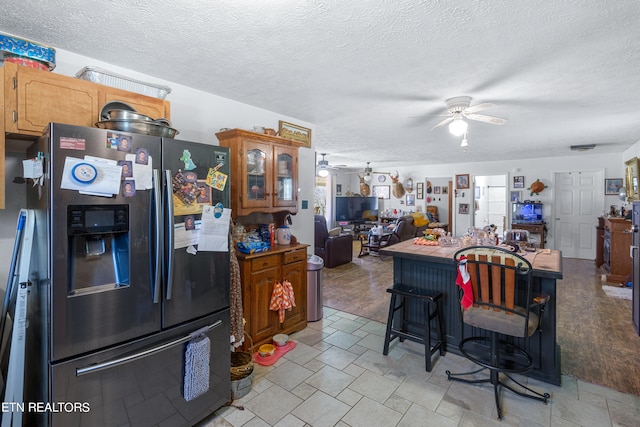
x=198, y=116
x=532, y=169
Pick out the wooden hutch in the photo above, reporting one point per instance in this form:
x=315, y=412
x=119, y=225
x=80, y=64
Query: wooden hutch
x=264, y=180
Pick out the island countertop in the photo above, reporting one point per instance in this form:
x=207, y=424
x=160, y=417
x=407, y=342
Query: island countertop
x=545, y=262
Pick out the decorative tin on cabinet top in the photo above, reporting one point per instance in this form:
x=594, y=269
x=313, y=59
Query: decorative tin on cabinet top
x=28, y=49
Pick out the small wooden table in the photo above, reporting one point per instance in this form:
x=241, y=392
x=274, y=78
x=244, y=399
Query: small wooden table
x=372, y=243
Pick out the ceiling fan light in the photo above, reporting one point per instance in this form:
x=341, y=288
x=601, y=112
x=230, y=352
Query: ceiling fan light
x=323, y=173
x=367, y=178
x=458, y=127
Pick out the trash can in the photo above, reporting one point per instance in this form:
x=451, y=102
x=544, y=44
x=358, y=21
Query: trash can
x=314, y=288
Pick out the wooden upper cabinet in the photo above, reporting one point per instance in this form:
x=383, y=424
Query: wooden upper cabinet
x=264, y=174
x=149, y=106
x=34, y=98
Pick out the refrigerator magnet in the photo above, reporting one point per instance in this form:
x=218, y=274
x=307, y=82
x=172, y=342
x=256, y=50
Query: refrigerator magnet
x=127, y=168
x=128, y=188
x=216, y=179
x=142, y=156
x=84, y=173
x=218, y=209
x=186, y=159
x=124, y=143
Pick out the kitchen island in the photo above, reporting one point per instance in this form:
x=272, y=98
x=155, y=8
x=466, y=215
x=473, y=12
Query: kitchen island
x=433, y=268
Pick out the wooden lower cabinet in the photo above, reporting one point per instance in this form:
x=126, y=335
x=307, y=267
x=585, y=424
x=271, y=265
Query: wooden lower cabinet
x=259, y=273
x=615, y=252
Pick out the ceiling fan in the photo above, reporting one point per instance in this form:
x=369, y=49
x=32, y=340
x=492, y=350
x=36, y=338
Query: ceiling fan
x=368, y=172
x=323, y=166
x=459, y=108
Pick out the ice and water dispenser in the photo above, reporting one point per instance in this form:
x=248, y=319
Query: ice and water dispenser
x=98, y=245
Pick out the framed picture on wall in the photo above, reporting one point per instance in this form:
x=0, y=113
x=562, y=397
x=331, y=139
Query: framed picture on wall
x=516, y=196
x=338, y=189
x=463, y=208
x=420, y=190
x=612, y=186
x=462, y=181
x=382, y=191
x=445, y=189
x=411, y=199
x=518, y=182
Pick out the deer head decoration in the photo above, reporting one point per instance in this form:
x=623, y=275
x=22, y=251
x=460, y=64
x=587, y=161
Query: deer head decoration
x=398, y=189
x=365, y=190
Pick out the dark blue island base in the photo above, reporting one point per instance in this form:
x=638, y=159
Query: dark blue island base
x=432, y=268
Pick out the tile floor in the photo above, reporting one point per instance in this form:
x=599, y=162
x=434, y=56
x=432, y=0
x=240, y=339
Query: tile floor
x=337, y=376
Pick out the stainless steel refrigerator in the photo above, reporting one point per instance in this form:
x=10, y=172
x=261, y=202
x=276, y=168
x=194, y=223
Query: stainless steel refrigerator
x=123, y=286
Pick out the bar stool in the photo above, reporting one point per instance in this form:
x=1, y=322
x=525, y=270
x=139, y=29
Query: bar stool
x=416, y=298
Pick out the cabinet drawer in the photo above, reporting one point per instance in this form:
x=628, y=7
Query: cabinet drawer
x=293, y=256
x=263, y=262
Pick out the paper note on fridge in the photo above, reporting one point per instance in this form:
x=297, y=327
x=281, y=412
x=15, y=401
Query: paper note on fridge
x=214, y=235
x=142, y=173
x=184, y=235
x=91, y=175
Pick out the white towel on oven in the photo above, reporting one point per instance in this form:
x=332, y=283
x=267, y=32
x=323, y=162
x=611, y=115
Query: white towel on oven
x=196, y=368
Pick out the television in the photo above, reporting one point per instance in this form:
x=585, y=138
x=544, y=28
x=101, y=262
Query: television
x=356, y=209
x=526, y=213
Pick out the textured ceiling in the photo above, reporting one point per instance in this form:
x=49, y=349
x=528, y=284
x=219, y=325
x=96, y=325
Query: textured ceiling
x=562, y=72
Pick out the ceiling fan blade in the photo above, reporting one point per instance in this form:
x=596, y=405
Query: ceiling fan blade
x=487, y=119
x=442, y=123
x=479, y=107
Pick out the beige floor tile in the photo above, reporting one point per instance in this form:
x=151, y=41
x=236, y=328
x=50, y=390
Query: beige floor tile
x=330, y=380
x=374, y=386
x=321, y=410
x=273, y=405
x=289, y=375
x=368, y=413
x=419, y=416
x=337, y=357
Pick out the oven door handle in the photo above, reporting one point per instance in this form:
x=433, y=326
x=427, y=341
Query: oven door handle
x=136, y=356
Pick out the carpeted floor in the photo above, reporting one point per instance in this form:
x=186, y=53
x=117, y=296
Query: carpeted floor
x=595, y=333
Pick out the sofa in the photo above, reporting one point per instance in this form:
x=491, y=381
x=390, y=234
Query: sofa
x=334, y=247
x=406, y=228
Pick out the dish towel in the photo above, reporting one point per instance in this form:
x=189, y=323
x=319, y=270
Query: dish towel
x=464, y=282
x=196, y=368
x=282, y=298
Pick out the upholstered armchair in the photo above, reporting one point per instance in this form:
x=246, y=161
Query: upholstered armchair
x=404, y=230
x=334, y=248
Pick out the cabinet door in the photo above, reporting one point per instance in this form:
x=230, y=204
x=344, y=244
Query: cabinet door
x=153, y=107
x=263, y=322
x=285, y=173
x=34, y=98
x=256, y=167
x=296, y=274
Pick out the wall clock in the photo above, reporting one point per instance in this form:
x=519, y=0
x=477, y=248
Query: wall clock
x=382, y=178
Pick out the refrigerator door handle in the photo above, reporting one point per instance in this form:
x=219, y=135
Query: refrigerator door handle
x=157, y=205
x=631, y=248
x=127, y=359
x=169, y=232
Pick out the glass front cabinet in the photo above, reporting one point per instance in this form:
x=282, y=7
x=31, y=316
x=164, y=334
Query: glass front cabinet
x=264, y=172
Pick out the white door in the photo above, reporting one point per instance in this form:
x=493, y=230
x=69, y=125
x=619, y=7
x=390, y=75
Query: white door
x=578, y=201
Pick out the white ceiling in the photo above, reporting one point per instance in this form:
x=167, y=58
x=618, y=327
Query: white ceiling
x=562, y=72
